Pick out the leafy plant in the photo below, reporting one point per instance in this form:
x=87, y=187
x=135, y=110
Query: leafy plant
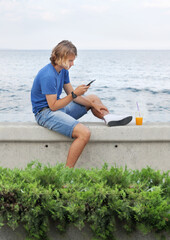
x=98, y=197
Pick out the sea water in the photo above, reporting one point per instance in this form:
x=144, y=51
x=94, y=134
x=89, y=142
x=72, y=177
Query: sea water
x=123, y=79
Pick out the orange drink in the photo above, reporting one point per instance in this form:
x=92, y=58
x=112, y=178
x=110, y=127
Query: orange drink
x=139, y=120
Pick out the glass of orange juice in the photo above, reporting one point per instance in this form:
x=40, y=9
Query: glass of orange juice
x=139, y=118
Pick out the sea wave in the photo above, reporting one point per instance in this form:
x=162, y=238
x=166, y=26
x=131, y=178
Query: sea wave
x=3, y=90
x=164, y=91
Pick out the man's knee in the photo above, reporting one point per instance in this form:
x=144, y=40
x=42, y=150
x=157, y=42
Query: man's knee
x=82, y=132
x=86, y=135
x=93, y=97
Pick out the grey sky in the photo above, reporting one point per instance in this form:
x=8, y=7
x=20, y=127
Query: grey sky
x=89, y=24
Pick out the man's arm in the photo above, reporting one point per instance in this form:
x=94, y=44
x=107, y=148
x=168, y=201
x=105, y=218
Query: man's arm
x=80, y=99
x=85, y=101
x=55, y=104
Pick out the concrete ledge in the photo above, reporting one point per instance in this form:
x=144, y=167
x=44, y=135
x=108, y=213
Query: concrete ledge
x=30, y=132
x=131, y=145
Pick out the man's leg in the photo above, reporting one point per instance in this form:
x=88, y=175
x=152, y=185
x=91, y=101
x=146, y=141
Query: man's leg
x=82, y=135
x=97, y=100
x=61, y=122
x=110, y=119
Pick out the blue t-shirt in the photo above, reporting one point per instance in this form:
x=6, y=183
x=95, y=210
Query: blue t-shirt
x=47, y=81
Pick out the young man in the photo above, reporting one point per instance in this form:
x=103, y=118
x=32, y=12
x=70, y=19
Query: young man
x=61, y=114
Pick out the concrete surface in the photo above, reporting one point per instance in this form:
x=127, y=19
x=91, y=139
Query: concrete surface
x=73, y=233
x=131, y=145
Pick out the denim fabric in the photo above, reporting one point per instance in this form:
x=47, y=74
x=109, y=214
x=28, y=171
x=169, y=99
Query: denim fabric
x=63, y=120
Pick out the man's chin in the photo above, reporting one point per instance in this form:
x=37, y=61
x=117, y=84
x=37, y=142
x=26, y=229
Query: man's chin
x=66, y=67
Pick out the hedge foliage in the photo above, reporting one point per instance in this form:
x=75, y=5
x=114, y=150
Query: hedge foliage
x=32, y=196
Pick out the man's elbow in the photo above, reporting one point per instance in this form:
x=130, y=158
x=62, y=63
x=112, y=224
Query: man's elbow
x=52, y=108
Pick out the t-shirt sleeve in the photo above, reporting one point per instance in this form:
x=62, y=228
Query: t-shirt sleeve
x=66, y=77
x=48, y=85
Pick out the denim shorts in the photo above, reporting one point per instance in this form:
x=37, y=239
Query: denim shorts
x=63, y=120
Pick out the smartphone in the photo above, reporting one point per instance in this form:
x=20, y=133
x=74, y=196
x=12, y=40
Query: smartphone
x=91, y=82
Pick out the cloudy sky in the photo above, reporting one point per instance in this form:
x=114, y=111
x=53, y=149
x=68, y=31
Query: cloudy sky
x=89, y=24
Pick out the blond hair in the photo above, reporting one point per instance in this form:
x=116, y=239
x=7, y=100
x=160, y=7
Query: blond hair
x=60, y=53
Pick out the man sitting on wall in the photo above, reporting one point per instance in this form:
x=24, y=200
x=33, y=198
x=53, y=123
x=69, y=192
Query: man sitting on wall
x=62, y=114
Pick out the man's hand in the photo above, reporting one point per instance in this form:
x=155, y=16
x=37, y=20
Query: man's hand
x=100, y=108
x=80, y=90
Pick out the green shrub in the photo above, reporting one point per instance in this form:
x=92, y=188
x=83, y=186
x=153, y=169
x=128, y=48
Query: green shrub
x=99, y=197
